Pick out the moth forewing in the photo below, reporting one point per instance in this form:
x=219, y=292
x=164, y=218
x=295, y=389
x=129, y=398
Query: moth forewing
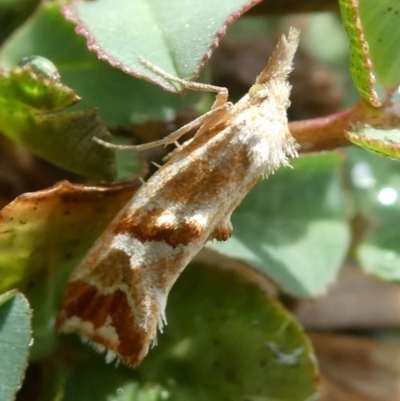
x=116, y=297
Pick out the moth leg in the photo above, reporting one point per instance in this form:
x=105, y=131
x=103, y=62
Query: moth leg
x=211, y=117
x=223, y=230
x=221, y=93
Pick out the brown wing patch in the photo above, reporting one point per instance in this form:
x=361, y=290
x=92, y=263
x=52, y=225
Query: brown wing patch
x=88, y=305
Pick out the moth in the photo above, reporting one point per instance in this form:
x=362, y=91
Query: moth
x=116, y=297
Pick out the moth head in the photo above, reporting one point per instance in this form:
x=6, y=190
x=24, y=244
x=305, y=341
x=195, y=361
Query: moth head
x=275, y=92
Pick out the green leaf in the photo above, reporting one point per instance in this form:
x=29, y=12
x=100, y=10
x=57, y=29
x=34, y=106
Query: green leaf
x=43, y=236
x=384, y=142
x=94, y=380
x=376, y=189
x=179, y=34
x=226, y=339
x=15, y=339
x=293, y=226
x=129, y=164
x=381, y=26
x=374, y=31
x=120, y=98
x=361, y=66
x=28, y=102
